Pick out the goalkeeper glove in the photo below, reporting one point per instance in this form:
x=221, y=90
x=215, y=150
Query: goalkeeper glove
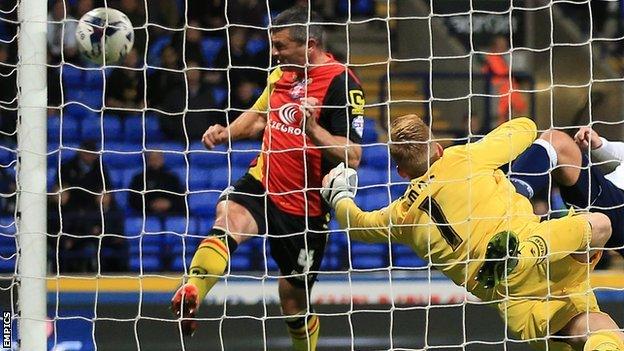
x=341, y=182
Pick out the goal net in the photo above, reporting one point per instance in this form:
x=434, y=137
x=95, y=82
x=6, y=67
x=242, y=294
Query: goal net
x=132, y=191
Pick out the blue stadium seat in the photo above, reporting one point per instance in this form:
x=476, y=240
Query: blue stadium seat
x=8, y=265
x=174, y=160
x=165, y=146
x=239, y=262
x=204, y=223
x=134, y=225
x=70, y=128
x=116, y=178
x=92, y=98
x=79, y=111
x=93, y=79
x=55, y=153
x=412, y=261
x=52, y=174
x=245, y=145
x=356, y=7
x=72, y=77
x=269, y=264
x=133, y=128
x=219, y=95
x=210, y=48
x=358, y=248
x=115, y=160
x=123, y=146
x=371, y=176
x=149, y=263
x=243, y=158
x=179, y=225
x=368, y=262
x=213, y=158
x=92, y=128
x=256, y=45
x=155, y=48
x=203, y=204
x=121, y=198
x=370, y=136
x=331, y=263
x=152, y=129
x=178, y=263
x=8, y=245
x=127, y=176
x=201, y=179
x=7, y=156
x=375, y=156
x=372, y=198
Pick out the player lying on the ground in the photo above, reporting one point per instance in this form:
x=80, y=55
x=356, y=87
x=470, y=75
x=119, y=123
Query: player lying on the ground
x=311, y=114
x=582, y=185
x=463, y=215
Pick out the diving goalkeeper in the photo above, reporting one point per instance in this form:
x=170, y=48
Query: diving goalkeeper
x=464, y=216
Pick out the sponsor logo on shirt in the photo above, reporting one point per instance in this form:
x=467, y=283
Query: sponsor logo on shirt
x=289, y=119
x=288, y=113
x=357, y=101
x=358, y=125
x=298, y=91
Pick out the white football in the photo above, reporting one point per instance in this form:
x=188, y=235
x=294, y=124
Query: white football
x=104, y=35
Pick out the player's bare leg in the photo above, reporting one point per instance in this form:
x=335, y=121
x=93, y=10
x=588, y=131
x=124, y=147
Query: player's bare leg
x=593, y=332
x=569, y=158
x=554, y=149
x=233, y=225
x=302, y=326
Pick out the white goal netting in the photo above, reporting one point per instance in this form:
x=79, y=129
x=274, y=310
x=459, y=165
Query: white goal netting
x=132, y=191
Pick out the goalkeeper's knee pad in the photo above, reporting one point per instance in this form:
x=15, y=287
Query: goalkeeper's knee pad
x=604, y=341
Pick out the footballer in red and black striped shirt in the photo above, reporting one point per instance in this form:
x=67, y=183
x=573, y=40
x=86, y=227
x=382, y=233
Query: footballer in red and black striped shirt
x=311, y=114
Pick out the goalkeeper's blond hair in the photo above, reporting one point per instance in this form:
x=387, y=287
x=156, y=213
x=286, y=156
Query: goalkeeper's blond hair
x=410, y=144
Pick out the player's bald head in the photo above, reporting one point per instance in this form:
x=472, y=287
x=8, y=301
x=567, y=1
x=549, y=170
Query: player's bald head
x=410, y=144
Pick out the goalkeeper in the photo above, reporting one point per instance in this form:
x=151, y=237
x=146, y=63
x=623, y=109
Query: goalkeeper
x=464, y=216
x=311, y=114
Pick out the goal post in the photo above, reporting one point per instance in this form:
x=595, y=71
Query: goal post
x=32, y=168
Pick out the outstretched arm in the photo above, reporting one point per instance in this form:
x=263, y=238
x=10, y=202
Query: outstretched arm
x=505, y=143
x=339, y=188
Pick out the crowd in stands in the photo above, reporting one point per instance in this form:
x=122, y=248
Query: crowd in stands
x=131, y=132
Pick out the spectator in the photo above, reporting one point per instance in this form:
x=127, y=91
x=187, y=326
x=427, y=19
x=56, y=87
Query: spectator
x=496, y=64
x=210, y=13
x=158, y=183
x=190, y=123
x=136, y=13
x=162, y=81
x=124, y=86
x=164, y=13
x=244, y=97
x=81, y=212
x=62, y=44
x=237, y=56
x=84, y=6
x=193, y=50
x=248, y=12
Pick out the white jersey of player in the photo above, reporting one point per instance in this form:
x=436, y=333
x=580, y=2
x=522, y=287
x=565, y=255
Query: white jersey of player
x=609, y=151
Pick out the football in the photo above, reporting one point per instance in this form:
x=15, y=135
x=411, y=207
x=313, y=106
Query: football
x=104, y=35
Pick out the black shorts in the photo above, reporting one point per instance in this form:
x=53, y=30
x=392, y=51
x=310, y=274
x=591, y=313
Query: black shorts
x=594, y=192
x=297, y=248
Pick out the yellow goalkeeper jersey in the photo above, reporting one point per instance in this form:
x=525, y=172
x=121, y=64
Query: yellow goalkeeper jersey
x=449, y=214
